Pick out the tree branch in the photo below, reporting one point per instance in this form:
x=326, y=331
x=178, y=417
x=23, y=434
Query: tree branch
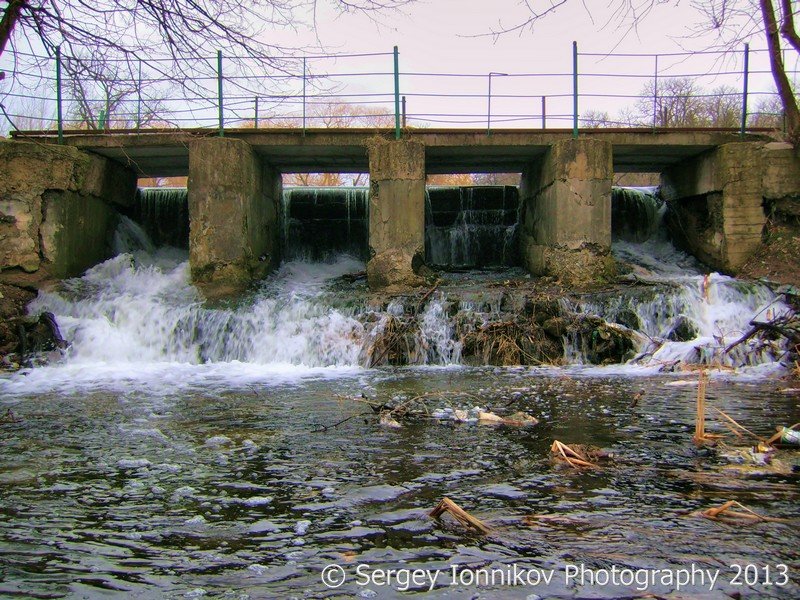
x=788, y=30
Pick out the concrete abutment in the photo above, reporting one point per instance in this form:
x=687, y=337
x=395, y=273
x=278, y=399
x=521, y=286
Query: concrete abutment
x=58, y=209
x=717, y=201
x=566, y=212
x=234, y=215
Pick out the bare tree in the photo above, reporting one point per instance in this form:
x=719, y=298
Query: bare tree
x=677, y=103
x=182, y=30
x=768, y=112
x=102, y=95
x=733, y=22
x=595, y=119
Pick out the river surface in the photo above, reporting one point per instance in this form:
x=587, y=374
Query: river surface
x=242, y=491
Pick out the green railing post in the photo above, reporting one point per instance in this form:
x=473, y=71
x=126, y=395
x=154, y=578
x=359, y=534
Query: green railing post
x=489, y=107
x=304, y=96
x=396, y=94
x=255, y=120
x=139, y=98
x=655, y=95
x=59, y=99
x=575, y=90
x=744, y=89
x=219, y=94
x=544, y=112
x=101, y=124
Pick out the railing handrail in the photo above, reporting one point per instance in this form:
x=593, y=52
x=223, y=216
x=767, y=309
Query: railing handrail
x=270, y=97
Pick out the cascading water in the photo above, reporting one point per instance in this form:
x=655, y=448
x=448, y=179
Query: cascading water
x=471, y=227
x=138, y=310
x=136, y=316
x=689, y=316
x=320, y=223
x=163, y=213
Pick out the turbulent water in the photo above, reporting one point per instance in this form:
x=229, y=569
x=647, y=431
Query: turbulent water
x=181, y=450
x=137, y=318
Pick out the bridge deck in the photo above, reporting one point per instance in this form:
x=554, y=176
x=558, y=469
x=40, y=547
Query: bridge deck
x=165, y=153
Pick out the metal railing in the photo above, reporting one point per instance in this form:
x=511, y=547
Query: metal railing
x=364, y=90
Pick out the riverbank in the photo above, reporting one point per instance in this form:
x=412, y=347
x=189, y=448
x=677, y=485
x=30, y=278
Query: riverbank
x=778, y=257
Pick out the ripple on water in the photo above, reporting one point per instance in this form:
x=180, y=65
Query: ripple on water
x=93, y=503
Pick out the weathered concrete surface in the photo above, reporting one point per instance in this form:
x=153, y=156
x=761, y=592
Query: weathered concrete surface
x=717, y=204
x=234, y=210
x=396, y=214
x=56, y=208
x=781, y=171
x=566, y=212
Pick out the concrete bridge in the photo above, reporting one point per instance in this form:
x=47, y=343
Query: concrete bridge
x=716, y=181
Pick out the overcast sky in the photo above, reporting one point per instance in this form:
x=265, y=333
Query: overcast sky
x=447, y=36
x=439, y=37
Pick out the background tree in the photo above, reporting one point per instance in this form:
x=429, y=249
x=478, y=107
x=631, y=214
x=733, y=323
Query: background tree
x=732, y=21
x=595, y=119
x=100, y=94
x=677, y=103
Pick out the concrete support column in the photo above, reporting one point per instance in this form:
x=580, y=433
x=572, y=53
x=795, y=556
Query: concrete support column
x=716, y=204
x=566, y=212
x=396, y=214
x=58, y=210
x=234, y=215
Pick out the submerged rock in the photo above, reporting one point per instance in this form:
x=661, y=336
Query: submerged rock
x=683, y=330
x=26, y=339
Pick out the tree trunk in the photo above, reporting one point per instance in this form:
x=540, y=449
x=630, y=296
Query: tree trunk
x=10, y=18
x=788, y=99
x=788, y=31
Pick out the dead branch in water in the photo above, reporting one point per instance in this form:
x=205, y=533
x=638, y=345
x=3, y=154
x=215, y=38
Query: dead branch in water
x=736, y=426
x=571, y=456
x=785, y=325
x=723, y=513
x=459, y=514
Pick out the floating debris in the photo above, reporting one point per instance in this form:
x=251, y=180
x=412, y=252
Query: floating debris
x=387, y=420
x=577, y=456
x=724, y=514
x=789, y=436
x=459, y=514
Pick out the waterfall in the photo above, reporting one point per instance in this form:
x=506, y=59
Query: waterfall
x=471, y=227
x=163, y=213
x=322, y=222
x=635, y=213
x=137, y=315
x=688, y=316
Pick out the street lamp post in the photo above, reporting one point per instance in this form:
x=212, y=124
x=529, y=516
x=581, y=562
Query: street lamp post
x=489, y=102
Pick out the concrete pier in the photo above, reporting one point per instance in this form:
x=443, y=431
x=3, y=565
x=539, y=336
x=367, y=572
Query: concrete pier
x=396, y=214
x=58, y=209
x=566, y=212
x=717, y=204
x=234, y=215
